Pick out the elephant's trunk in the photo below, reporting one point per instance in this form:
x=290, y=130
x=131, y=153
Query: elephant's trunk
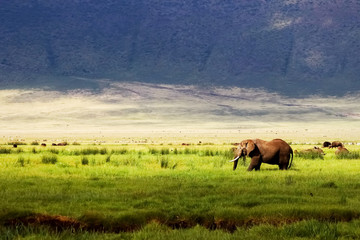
x=235, y=160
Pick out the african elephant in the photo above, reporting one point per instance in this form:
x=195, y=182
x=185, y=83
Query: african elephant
x=336, y=144
x=341, y=150
x=275, y=152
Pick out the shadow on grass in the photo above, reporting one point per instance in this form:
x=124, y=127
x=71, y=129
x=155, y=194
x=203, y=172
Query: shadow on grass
x=97, y=222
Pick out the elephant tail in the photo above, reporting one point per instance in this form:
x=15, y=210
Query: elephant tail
x=292, y=156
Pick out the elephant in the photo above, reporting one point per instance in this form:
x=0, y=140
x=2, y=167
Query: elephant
x=341, y=150
x=326, y=144
x=336, y=144
x=275, y=152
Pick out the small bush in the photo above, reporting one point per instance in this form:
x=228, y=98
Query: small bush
x=349, y=155
x=164, y=162
x=5, y=150
x=21, y=161
x=49, y=159
x=54, y=151
x=34, y=143
x=16, y=143
x=187, y=151
x=75, y=143
x=164, y=151
x=19, y=150
x=123, y=151
x=84, y=160
x=153, y=151
x=107, y=159
x=89, y=151
x=329, y=185
x=33, y=150
x=103, y=151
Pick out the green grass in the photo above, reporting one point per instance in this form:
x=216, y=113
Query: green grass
x=159, y=193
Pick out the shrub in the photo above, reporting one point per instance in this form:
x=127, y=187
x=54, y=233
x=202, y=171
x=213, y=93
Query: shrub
x=54, y=151
x=5, y=150
x=164, y=162
x=107, y=159
x=16, y=143
x=103, y=151
x=164, y=151
x=75, y=143
x=49, y=159
x=349, y=155
x=21, y=161
x=34, y=143
x=153, y=151
x=84, y=160
x=19, y=150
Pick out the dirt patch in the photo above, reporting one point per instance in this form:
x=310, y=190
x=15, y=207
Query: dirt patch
x=55, y=222
x=60, y=223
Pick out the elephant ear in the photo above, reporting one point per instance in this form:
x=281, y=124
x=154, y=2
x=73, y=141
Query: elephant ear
x=250, y=146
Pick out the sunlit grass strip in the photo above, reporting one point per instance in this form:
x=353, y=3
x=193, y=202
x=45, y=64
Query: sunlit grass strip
x=49, y=159
x=349, y=155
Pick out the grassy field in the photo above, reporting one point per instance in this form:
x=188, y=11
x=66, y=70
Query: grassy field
x=172, y=191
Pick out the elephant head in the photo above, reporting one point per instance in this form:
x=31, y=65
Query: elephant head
x=245, y=148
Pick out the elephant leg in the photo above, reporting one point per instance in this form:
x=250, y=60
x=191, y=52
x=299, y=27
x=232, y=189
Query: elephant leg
x=283, y=166
x=254, y=164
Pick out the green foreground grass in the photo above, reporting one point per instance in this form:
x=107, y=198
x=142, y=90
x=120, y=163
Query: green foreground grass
x=174, y=192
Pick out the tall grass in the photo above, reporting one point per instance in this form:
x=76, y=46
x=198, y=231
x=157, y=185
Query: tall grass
x=16, y=143
x=89, y=151
x=49, y=159
x=5, y=150
x=309, y=155
x=158, y=193
x=349, y=155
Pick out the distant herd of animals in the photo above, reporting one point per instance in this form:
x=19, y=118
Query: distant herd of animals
x=44, y=144
x=275, y=152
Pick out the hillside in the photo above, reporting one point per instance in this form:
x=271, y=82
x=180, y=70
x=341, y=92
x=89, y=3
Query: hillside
x=291, y=46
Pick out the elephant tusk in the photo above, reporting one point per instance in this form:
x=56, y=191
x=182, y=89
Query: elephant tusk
x=235, y=159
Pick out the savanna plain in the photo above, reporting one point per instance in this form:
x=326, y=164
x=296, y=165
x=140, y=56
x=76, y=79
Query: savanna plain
x=174, y=190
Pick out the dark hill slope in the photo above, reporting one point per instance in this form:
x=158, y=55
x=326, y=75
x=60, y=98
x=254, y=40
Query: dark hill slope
x=292, y=46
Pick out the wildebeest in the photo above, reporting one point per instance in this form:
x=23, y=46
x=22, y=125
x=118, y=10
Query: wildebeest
x=14, y=145
x=43, y=144
x=341, y=150
x=54, y=144
x=326, y=144
x=62, y=144
x=336, y=144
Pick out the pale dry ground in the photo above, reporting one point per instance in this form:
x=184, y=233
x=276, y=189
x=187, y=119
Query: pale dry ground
x=133, y=112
